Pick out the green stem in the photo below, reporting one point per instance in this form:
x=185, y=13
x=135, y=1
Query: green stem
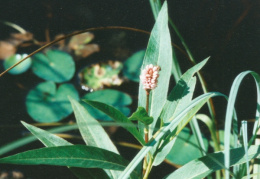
x=146, y=130
x=149, y=167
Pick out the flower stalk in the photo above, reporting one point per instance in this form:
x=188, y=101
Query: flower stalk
x=149, y=80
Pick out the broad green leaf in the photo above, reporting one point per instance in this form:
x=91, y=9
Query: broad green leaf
x=115, y=98
x=118, y=117
x=185, y=148
x=23, y=67
x=55, y=65
x=132, y=66
x=159, y=52
x=189, y=111
x=200, y=168
x=51, y=140
x=92, y=132
x=73, y=156
x=45, y=103
x=141, y=115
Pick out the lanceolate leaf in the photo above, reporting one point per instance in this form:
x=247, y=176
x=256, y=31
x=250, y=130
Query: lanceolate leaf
x=115, y=98
x=92, y=132
x=90, y=129
x=118, y=117
x=189, y=111
x=200, y=168
x=25, y=140
x=178, y=99
x=73, y=156
x=159, y=52
x=47, y=138
x=51, y=140
x=181, y=103
x=181, y=93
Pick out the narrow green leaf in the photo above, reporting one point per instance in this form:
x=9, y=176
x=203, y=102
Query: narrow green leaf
x=141, y=115
x=115, y=98
x=118, y=117
x=189, y=111
x=245, y=142
x=90, y=129
x=26, y=140
x=202, y=167
x=51, y=140
x=92, y=132
x=159, y=52
x=73, y=156
x=181, y=93
x=230, y=114
x=48, y=139
x=172, y=106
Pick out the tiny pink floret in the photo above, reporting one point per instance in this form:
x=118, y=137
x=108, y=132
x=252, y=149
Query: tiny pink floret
x=149, y=76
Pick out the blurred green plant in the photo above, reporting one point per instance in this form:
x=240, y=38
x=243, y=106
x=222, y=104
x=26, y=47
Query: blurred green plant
x=101, y=75
x=18, y=69
x=56, y=66
x=47, y=103
x=132, y=66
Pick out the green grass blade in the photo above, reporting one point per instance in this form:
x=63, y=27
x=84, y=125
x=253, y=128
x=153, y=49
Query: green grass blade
x=245, y=141
x=170, y=127
x=26, y=140
x=196, y=131
x=118, y=117
x=159, y=53
x=73, y=156
x=230, y=113
x=51, y=140
x=202, y=167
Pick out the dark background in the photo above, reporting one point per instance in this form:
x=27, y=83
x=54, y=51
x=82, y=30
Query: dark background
x=227, y=31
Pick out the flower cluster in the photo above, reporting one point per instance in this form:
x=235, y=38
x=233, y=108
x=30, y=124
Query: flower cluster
x=149, y=76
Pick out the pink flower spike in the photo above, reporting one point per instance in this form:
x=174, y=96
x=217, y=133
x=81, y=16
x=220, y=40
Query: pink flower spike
x=149, y=76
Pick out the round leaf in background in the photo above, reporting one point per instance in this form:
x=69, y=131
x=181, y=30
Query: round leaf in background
x=132, y=66
x=54, y=66
x=114, y=98
x=22, y=67
x=185, y=148
x=46, y=103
